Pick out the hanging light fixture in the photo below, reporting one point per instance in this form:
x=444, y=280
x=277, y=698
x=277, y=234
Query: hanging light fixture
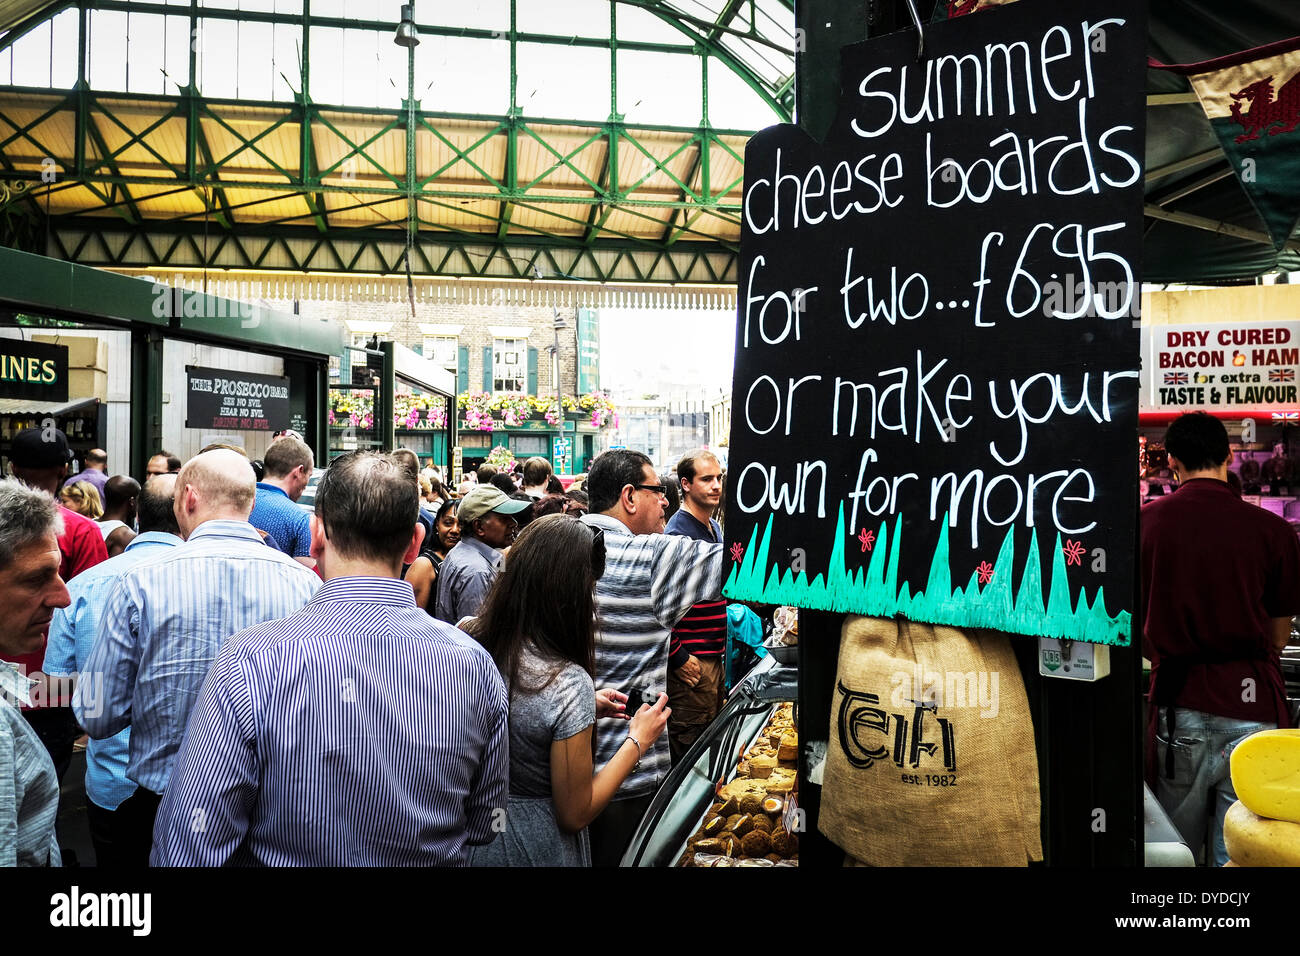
x=407, y=35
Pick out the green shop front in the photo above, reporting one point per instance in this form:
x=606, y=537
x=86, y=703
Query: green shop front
x=503, y=427
x=139, y=366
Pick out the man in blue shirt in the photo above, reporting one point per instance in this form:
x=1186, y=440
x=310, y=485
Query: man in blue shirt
x=356, y=732
x=166, y=618
x=72, y=637
x=289, y=463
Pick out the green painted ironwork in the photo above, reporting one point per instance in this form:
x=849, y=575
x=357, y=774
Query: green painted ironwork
x=123, y=187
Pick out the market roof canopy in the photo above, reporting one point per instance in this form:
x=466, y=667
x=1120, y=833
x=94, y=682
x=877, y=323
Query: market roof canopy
x=587, y=139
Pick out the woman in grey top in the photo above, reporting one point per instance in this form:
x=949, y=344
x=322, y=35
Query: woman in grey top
x=539, y=624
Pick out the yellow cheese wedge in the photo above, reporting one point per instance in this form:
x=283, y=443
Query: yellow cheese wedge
x=1266, y=774
x=1252, y=840
x=1230, y=863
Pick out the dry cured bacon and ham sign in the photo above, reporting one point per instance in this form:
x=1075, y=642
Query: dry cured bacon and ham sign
x=936, y=388
x=1221, y=366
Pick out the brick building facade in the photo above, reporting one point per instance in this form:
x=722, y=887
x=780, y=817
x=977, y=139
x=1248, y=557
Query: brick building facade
x=491, y=347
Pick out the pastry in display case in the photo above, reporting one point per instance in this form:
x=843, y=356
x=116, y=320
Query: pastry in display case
x=747, y=826
x=732, y=798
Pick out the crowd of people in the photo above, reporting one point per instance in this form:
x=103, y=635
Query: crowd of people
x=399, y=675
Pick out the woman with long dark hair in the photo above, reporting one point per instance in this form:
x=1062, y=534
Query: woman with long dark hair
x=539, y=624
x=423, y=574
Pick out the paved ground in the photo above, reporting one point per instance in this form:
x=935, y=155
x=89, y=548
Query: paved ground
x=73, y=825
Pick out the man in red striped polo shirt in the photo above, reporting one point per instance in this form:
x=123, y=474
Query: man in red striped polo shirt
x=696, y=668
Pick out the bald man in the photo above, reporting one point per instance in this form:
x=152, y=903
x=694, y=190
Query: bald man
x=166, y=619
x=117, y=524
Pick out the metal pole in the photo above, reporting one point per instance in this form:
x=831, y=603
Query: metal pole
x=557, y=325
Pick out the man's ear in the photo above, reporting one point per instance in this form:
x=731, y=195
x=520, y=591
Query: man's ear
x=413, y=549
x=317, y=538
x=628, y=499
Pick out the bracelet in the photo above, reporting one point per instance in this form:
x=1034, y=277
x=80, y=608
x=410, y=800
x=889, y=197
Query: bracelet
x=636, y=766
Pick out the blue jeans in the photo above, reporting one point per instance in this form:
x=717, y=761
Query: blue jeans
x=1202, y=746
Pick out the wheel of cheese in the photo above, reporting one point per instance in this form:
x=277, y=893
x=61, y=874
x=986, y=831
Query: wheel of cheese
x=1252, y=840
x=1266, y=774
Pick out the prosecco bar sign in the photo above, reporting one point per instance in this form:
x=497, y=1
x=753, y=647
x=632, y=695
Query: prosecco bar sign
x=33, y=370
x=244, y=401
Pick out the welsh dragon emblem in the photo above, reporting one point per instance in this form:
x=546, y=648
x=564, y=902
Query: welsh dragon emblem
x=1265, y=112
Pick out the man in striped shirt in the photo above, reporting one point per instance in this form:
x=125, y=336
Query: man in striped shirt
x=30, y=591
x=696, y=671
x=650, y=582
x=167, y=617
x=359, y=731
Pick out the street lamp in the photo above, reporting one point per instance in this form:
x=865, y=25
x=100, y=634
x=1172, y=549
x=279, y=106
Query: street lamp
x=407, y=34
x=559, y=326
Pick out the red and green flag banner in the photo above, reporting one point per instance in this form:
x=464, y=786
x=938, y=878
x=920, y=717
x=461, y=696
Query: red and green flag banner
x=1252, y=100
x=949, y=9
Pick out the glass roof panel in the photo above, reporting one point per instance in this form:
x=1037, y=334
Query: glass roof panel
x=574, y=87
x=658, y=88
x=479, y=14
x=583, y=18
x=463, y=75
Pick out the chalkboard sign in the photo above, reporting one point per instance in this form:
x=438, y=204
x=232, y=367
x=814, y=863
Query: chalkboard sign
x=936, y=387
x=245, y=401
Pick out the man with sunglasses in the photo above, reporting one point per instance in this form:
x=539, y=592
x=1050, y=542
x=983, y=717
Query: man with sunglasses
x=651, y=580
x=487, y=526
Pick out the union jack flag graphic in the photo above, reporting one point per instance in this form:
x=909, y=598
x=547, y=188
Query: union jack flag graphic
x=1175, y=378
x=1286, y=416
x=1281, y=375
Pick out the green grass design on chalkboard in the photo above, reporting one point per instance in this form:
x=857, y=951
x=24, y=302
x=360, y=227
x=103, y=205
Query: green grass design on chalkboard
x=876, y=590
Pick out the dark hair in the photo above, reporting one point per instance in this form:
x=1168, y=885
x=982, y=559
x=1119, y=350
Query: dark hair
x=436, y=488
x=286, y=454
x=505, y=483
x=259, y=468
x=1198, y=440
x=485, y=473
x=153, y=506
x=611, y=473
x=118, y=490
x=527, y=515
x=410, y=461
x=544, y=595
x=549, y=505
x=690, y=461
x=434, y=543
x=173, y=463
x=580, y=497
x=672, y=493
x=536, y=471
x=448, y=504
x=368, y=505
x=554, y=486
x=96, y=456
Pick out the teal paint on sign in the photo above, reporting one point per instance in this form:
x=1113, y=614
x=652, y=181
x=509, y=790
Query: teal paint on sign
x=877, y=590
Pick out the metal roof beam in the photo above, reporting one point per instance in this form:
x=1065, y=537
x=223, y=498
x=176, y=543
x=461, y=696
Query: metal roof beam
x=1213, y=225
x=24, y=27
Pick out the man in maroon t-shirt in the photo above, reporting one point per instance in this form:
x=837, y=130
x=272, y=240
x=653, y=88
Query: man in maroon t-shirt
x=40, y=459
x=697, y=668
x=1220, y=583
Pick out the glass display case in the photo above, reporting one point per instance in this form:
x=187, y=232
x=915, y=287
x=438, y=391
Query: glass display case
x=690, y=789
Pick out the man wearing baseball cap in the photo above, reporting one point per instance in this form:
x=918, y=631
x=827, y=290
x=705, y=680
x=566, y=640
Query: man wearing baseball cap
x=40, y=459
x=487, y=525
